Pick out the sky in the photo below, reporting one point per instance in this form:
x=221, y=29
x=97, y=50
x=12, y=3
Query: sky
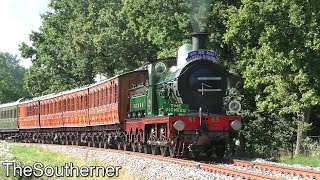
x=17, y=19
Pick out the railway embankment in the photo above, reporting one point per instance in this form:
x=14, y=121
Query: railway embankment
x=134, y=167
x=140, y=166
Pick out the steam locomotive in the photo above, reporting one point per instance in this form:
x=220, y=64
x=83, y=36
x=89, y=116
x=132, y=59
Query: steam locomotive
x=173, y=107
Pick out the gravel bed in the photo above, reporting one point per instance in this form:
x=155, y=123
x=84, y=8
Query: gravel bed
x=148, y=168
x=141, y=167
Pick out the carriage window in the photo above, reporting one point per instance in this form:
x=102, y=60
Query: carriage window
x=83, y=102
x=106, y=96
x=115, y=93
x=72, y=105
x=102, y=97
x=94, y=99
x=59, y=107
x=65, y=104
x=76, y=103
x=90, y=100
x=97, y=99
x=110, y=95
x=54, y=107
x=79, y=102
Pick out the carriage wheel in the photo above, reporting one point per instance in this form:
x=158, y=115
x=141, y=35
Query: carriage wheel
x=100, y=144
x=105, y=145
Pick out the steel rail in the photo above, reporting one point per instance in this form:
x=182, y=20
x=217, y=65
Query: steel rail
x=283, y=169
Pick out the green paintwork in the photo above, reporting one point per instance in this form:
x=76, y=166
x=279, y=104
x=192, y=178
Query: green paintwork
x=175, y=108
x=138, y=103
x=155, y=97
x=8, y=118
x=138, y=99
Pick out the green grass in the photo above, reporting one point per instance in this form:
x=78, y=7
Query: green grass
x=309, y=161
x=28, y=155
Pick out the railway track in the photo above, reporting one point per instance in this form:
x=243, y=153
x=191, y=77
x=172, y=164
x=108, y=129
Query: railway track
x=215, y=167
x=270, y=167
x=204, y=166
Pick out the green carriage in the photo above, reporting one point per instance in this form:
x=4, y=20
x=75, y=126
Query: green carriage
x=8, y=118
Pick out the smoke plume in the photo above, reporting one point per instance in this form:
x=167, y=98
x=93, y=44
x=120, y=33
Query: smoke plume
x=200, y=10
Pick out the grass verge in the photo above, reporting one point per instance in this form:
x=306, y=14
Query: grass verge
x=304, y=160
x=29, y=155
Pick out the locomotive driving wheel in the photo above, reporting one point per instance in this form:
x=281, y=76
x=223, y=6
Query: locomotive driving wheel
x=134, y=147
x=220, y=150
x=164, y=151
x=155, y=150
x=140, y=148
x=126, y=147
x=146, y=149
x=119, y=146
x=172, y=152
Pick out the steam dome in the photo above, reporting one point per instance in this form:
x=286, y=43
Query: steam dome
x=183, y=54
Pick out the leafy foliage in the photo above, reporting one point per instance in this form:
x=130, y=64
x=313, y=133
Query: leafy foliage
x=11, y=78
x=277, y=43
x=271, y=45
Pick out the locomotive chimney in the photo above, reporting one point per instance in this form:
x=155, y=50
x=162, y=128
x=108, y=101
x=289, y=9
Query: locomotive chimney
x=199, y=40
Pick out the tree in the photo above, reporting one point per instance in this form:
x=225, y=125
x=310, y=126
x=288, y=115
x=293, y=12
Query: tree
x=11, y=78
x=278, y=45
x=79, y=39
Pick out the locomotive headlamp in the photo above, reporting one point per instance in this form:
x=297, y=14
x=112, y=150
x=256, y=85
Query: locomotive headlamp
x=179, y=125
x=236, y=125
x=234, y=106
